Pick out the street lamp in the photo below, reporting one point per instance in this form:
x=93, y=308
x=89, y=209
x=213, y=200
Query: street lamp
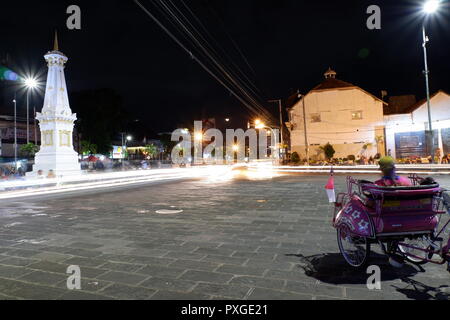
x=15, y=130
x=30, y=84
x=124, y=146
x=199, y=136
x=261, y=125
x=430, y=7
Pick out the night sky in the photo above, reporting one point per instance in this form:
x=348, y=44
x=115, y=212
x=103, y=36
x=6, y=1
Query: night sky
x=279, y=45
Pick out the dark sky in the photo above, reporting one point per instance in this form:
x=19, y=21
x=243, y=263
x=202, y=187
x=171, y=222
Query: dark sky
x=283, y=45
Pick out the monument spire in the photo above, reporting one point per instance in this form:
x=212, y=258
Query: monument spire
x=55, y=45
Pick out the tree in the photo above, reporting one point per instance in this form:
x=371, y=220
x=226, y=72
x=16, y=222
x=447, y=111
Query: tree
x=29, y=150
x=151, y=150
x=295, y=158
x=88, y=148
x=166, y=140
x=100, y=116
x=328, y=150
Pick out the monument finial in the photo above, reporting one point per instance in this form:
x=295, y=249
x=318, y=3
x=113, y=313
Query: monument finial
x=56, y=46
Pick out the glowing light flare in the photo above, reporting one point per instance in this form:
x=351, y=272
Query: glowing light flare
x=26, y=188
x=198, y=136
x=31, y=83
x=431, y=6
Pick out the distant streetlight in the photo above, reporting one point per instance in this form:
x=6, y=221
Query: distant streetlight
x=124, y=145
x=430, y=7
x=227, y=120
x=30, y=84
x=235, y=148
x=199, y=136
x=261, y=125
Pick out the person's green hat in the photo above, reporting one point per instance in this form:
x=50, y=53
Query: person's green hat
x=386, y=163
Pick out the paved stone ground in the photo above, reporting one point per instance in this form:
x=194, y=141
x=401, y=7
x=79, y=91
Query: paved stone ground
x=240, y=239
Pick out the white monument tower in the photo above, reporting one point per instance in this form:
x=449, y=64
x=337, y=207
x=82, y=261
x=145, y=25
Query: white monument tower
x=56, y=122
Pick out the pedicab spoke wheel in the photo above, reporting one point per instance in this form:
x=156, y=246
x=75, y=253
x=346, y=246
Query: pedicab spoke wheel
x=354, y=249
x=417, y=243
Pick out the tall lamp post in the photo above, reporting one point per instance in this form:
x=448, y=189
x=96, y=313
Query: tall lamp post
x=260, y=125
x=124, y=146
x=430, y=7
x=15, y=131
x=303, y=97
x=30, y=84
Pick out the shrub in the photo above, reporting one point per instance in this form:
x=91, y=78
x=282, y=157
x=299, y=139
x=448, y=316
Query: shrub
x=328, y=150
x=295, y=158
x=351, y=157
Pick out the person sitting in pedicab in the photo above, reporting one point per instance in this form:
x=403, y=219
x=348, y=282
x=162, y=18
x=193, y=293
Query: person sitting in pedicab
x=390, y=177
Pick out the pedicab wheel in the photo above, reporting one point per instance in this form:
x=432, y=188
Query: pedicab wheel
x=419, y=243
x=354, y=249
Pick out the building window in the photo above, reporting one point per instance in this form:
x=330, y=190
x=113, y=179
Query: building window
x=315, y=117
x=357, y=115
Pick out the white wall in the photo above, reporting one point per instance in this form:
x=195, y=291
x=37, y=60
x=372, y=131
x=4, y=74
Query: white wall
x=418, y=120
x=337, y=127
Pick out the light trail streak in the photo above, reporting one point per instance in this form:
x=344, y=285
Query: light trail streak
x=39, y=187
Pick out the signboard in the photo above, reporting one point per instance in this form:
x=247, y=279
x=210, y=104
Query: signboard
x=8, y=134
x=118, y=152
x=446, y=140
x=414, y=144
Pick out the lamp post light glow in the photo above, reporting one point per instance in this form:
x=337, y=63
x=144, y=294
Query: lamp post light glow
x=31, y=83
x=199, y=136
x=259, y=125
x=430, y=7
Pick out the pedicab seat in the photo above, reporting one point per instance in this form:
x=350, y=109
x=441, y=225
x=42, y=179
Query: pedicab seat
x=402, y=209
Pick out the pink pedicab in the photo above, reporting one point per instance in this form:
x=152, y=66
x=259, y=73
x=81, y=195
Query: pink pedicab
x=404, y=221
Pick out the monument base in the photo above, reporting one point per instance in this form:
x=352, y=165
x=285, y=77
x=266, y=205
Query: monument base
x=61, y=164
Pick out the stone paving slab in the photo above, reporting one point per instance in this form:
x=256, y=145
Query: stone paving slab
x=242, y=239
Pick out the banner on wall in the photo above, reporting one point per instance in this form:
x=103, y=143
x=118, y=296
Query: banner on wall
x=446, y=140
x=415, y=144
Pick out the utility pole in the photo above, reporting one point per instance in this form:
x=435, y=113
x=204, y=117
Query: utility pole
x=28, y=116
x=306, y=130
x=281, y=122
x=123, y=143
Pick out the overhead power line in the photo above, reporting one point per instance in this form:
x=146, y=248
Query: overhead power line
x=234, y=84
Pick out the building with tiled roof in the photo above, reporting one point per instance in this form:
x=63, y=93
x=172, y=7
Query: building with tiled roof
x=339, y=113
x=406, y=128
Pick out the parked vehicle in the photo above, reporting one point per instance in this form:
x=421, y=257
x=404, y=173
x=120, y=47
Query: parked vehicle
x=404, y=221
